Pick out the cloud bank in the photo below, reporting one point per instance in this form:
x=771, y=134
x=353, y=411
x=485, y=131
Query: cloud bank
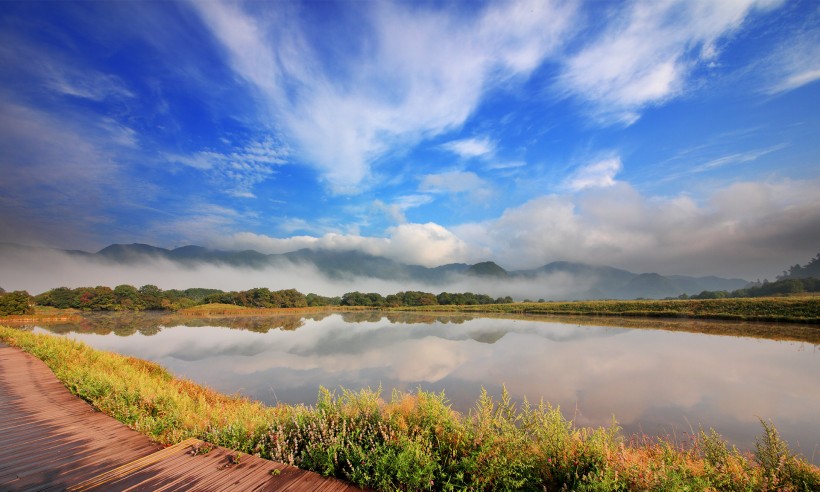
x=747, y=229
x=38, y=270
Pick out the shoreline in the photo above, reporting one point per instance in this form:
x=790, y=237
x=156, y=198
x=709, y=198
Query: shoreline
x=416, y=430
x=794, y=309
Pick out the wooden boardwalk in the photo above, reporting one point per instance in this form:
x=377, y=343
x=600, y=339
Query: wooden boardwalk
x=52, y=440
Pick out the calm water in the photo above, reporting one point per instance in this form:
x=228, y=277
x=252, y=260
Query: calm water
x=652, y=381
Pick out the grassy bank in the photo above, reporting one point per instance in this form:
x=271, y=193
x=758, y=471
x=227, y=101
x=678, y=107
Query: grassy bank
x=804, y=309
x=43, y=314
x=799, y=309
x=233, y=310
x=415, y=441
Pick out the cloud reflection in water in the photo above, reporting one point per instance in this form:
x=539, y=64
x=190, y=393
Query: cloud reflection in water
x=650, y=380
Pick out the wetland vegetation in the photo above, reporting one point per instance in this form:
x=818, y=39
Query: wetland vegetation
x=415, y=439
x=418, y=439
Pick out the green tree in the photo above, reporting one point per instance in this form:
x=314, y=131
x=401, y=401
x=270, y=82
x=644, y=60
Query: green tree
x=103, y=299
x=291, y=298
x=260, y=297
x=356, y=298
x=128, y=297
x=151, y=297
x=16, y=302
x=317, y=300
x=61, y=298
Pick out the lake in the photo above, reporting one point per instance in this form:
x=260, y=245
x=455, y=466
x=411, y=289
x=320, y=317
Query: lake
x=653, y=381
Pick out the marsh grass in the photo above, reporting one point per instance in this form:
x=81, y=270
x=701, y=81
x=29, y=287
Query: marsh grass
x=415, y=441
x=804, y=309
x=220, y=309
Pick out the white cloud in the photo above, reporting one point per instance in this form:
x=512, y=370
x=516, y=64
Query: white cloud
x=62, y=176
x=795, y=62
x=647, y=52
x=596, y=175
x=419, y=73
x=737, y=158
x=470, y=147
x=453, y=182
x=424, y=244
x=86, y=84
x=240, y=170
x=747, y=229
x=396, y=209
x=55, y=68
x=505, y=165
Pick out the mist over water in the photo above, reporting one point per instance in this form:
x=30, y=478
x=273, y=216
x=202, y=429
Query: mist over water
x=38, y=270
x=652, y=381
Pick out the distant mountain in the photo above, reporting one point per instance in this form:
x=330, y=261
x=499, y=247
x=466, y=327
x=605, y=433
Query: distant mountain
x=487, y=269
x=594, y=282
x=186, y=255
x=650, y=285
x=131, y=253
x=340, y=264
x=699, y=284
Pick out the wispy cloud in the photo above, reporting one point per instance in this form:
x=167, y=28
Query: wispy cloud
x=61, y=175
x=737, y=158
x=457, y=182
x=242, y=168
x=647, y=52
x=713, y=163
x=422, y=72
x=58, y=71
x=505, y=165
x=86, y=84
x=470, y=147
x=795, y=62
x=599, y=174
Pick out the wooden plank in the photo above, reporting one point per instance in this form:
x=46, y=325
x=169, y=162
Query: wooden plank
x=52, y=440
x=128, y=468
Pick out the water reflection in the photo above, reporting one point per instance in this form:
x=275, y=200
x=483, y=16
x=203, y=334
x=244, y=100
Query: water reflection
x=654, y=381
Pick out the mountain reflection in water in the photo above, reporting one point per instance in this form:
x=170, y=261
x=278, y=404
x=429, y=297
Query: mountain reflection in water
x=654, y=381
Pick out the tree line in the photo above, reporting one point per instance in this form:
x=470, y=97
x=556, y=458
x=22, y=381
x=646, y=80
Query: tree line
x=417, y=298
x=150, y=297
x=763, y=289
x=796, y=280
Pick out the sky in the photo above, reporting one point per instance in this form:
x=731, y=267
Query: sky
x=678, y=137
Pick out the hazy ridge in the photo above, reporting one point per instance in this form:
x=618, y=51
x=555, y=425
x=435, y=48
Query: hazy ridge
x=555, y=280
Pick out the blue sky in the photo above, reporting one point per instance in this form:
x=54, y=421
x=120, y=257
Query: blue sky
x=668, y=136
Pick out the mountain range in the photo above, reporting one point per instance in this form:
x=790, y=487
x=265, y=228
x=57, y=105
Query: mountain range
x=592, y=281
